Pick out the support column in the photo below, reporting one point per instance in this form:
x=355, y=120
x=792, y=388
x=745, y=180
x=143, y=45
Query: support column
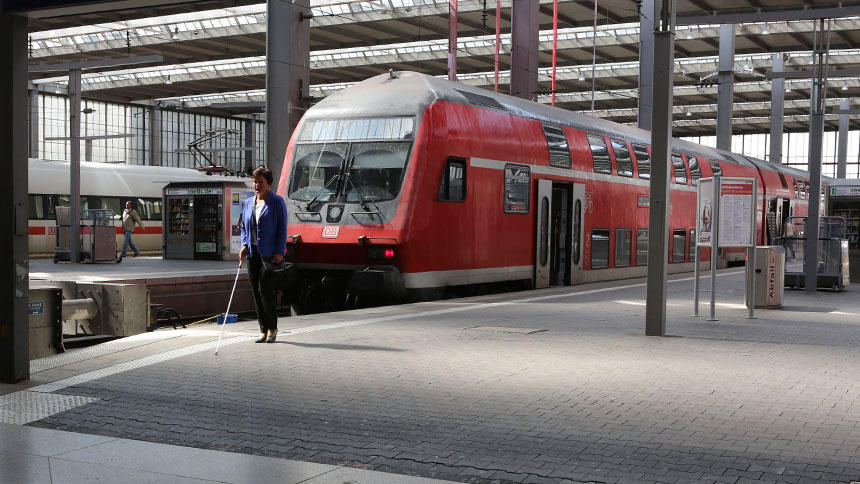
x=646, y=63
x=452, y=40
x=288, y=38
x=524, y=48
x=33, y=98
x=14, y=287
x=250, y=141
x=661, y=147
x=75, y=165
x=816, y=137
x=725, y=93
x=155, y=136
x=842, y=147
x=777, y=109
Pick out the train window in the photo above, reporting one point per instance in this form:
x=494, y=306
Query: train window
x=623, y=247
x=37, y=207
x=517, y=183
x=600, y=154
x=577, y=227
x=113, y=203
x=544, y=230
x=556, y=141
x=692, y=254
x=643, y=160
x=599, y=248
x=796, y=192
x=395, y=128
x=680, y=169
x=623, y=162
x=695, y=171
x=679, y=245
x=642, y=247
x=55, y=201
x=453, y=185
x=806, y=189
x=149, y=208
x=715, y=167
x=317, y=171
x=376, y=171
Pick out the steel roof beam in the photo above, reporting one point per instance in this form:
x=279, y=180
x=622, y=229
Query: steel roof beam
x=770, y=16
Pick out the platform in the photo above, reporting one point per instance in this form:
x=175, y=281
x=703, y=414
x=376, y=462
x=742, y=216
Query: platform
x=548, y=386
x=192, y=287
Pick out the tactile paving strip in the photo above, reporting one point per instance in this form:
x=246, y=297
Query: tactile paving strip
x=26, y=406
x=84, y=354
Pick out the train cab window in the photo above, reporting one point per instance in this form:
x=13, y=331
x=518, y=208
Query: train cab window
x=556, y=141
x=715, y=167
x=517, y=188
x=680, y=169
x=642, y=247
x=692, y=254
x=600, y=154
x=695, y=171
x=317, y=171
x=679, y=245
x=452, y=188
x=623, y=247
x=37, y=207
x=599, y=248
x=643, y=160
x=623, y=162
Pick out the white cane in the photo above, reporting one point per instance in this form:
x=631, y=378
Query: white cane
x=227, y=314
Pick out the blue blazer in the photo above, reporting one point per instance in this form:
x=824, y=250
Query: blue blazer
x=271, y=228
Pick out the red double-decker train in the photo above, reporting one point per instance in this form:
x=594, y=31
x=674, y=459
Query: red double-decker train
x=409, y=187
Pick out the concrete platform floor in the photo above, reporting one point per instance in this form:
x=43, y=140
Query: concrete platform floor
x=549, y=386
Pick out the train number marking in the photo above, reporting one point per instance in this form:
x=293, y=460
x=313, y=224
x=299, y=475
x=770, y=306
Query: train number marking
x=52, y=230
x=330, y=231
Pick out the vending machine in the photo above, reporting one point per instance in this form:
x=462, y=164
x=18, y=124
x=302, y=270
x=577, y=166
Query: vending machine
x=201, y=219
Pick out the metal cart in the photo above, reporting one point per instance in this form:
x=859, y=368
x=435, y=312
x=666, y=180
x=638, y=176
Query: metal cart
x=98, y=236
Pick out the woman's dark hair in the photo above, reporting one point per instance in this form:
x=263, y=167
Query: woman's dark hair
x=265, y=173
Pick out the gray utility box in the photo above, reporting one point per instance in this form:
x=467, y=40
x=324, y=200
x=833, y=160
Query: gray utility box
x=769, y=276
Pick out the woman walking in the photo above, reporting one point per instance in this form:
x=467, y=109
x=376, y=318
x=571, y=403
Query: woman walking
x=264, y=241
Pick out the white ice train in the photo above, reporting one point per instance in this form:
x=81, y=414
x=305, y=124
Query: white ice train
x=103, y=185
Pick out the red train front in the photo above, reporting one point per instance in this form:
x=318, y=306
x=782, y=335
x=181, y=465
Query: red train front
x=408, y=187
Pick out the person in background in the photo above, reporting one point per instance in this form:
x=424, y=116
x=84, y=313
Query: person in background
x=264, y=240
x=129, y=218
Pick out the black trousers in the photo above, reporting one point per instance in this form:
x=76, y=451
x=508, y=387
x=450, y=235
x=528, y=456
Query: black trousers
x=264, y=293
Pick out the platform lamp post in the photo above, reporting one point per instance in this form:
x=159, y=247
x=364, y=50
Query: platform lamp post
x=661, y=145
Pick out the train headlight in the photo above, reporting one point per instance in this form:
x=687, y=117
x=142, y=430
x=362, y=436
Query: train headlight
x=380, y=253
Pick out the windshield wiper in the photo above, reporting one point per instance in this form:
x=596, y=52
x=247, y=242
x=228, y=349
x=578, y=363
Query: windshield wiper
x=363, y=201
x=310, y=204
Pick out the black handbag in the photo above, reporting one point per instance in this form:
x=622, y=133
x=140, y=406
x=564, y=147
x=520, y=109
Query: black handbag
x=284, y=276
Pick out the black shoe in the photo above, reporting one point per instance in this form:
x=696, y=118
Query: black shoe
x=260, y=340
x=271, y=339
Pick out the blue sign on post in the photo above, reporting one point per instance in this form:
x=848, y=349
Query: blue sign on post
x=37, y=307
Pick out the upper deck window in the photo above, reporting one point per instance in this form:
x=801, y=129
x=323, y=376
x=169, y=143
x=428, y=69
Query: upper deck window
x=357, y=129
x=559, y=151
x=695, y=171
x=623, y=162
x=643, y=160
x=680, y=169
x=600, y=154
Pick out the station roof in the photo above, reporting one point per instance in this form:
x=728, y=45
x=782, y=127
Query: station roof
x=213, y=53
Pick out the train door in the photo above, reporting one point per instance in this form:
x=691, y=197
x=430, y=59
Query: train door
x=543, y=265
x=560, y=235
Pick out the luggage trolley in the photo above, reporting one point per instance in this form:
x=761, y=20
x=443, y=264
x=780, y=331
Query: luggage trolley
x=98, y=236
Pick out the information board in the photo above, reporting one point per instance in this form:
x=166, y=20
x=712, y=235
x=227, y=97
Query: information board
x=705, y=213
x=736, y=212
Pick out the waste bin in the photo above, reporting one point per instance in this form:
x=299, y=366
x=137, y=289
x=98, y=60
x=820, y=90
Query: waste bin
x=769, y=276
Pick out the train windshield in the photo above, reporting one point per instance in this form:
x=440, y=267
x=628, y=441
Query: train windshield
x=351, y=160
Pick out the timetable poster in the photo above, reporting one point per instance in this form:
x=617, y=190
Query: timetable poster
x=736, y=211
